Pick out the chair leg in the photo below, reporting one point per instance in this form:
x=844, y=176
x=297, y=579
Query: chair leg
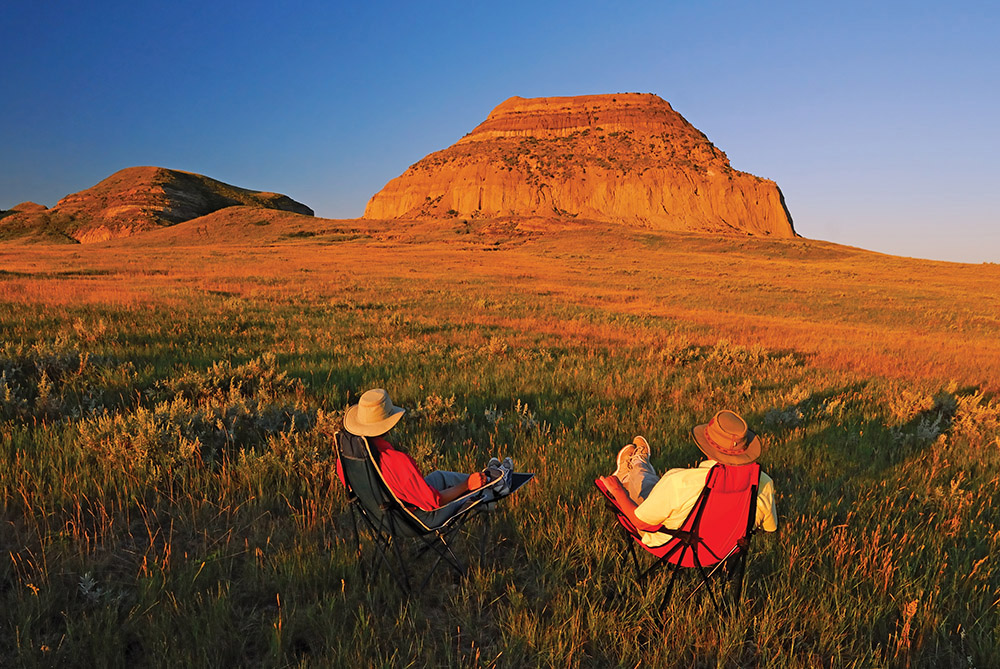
x=739, y=573
x=388, y=553
x=449, y=557
x=382, y=546
x=707, y=583
x=384, y=541
x=357, y=540
x=487, y=527
x=436, y=544
x=379, y=537
x=674, y=571
x=354, y=527
x=635, y=558
x=405, y=581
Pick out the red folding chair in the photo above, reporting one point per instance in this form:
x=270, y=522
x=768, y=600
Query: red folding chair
x=714, y=537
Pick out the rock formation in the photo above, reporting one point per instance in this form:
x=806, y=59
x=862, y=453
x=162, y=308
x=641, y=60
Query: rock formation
x=626, y=158
x=136, y=199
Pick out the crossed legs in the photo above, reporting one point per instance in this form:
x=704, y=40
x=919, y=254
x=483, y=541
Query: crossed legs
x=634, y=471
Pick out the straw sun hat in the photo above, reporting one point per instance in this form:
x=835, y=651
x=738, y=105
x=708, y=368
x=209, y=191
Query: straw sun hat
x=374, y=414
x=727, y=439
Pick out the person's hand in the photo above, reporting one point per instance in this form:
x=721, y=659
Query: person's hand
x=617, y=491
x=613, y=484
x=477, y=480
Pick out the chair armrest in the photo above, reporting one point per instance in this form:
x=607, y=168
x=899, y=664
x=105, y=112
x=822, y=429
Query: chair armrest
x=613, y=498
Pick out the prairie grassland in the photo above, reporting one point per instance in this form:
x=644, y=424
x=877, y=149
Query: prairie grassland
x=168, y=486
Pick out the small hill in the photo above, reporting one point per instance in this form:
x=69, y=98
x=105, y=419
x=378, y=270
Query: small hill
x=29, y=207
x=137, y=199
x=239, y=224
x=626, y=158
x=31, y=222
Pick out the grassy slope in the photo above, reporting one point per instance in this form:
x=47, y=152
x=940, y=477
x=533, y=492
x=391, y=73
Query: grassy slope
x=168, y=495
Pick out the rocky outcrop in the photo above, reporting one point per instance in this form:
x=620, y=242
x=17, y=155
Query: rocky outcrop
x=137, y=199
x=627, y=158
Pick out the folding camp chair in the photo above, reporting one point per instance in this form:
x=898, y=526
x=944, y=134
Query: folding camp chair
x=714, y=539
x=390, y=522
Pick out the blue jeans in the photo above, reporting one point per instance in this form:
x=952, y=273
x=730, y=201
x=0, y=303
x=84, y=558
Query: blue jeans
x=440, y=480
x=640, y=479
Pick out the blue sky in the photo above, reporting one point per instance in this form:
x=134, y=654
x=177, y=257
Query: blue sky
x=877, y=120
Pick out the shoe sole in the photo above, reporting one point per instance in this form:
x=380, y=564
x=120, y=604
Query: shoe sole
x=624, y=458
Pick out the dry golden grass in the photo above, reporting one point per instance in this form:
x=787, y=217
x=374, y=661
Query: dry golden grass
x=842, y=308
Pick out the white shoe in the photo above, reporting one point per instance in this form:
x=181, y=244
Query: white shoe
x=624, y=462
x=640, y=457
x=507, y=467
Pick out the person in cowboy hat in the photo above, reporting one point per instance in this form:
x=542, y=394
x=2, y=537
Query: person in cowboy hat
x=651, y=501
x=372, y=417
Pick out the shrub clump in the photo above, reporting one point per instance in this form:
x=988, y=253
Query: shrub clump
x=259, y=378
x=520, y=418
x=906, y=404
x=977, y=419
x=437, y=411
x=53, y=380
x=201, y=416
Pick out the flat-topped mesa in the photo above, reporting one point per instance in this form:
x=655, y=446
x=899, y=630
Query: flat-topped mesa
x=626, y=158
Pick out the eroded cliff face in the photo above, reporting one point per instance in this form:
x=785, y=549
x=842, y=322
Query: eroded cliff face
x=627, y=158
x=137, y=199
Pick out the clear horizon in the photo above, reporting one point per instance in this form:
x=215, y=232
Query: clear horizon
x=876, y=121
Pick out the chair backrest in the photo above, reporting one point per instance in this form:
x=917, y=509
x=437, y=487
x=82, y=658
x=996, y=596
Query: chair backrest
x=364, y=482
x=723, y=516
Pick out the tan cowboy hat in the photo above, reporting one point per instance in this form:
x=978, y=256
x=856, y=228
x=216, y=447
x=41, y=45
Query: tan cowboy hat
x=727, y=439
x=373, y=415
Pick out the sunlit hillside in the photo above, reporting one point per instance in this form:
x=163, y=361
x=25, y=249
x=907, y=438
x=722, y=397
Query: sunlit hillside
x=167, y=400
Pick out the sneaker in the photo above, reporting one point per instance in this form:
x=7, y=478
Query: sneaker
x=641, y=447
x=641, y=454
x=507, y=467
x=492, y=471
x=624, y=461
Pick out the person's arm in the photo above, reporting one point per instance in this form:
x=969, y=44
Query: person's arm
x=767, y=513
x=475, y=481
x=626, y=504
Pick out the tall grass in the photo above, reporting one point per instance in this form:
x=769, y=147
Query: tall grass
x=168, y=486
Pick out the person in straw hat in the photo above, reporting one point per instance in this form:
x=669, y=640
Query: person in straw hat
x=651, y=501
x=372, y=417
